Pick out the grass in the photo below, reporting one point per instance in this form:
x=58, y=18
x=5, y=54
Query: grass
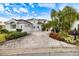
x=2, y=37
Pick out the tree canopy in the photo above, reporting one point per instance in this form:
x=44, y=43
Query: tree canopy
x=63, y=18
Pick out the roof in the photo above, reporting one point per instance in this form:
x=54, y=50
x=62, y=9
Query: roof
x=24, y=21
x=37, y=19
x=19, y=21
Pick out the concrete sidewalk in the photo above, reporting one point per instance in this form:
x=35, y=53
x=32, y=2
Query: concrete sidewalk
x=40, y=51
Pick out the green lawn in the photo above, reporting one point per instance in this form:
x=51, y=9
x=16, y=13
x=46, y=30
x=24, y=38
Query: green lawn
x=2, y=37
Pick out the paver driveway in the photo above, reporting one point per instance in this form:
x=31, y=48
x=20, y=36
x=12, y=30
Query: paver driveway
x=37, y=42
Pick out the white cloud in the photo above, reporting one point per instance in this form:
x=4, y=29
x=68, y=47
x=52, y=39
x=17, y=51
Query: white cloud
x=7, y=4
x=33, y=13
x=3, y=19
x=31, y=4
x=62, y=6
x=23, y=4
x=71, y=5
x=43, y=17
x=48, y=5
x=16, y=10
x=23, y=17
x=8, y=9
x=7, y=12
x=77, y=9
x=1, y=7
x=24, y=10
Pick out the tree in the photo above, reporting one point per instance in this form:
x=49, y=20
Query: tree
x=54, y=14
x=69, y=16
x=65, y=17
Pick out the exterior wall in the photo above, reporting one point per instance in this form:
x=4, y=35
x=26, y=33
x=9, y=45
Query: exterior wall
x=19, y=26
x=27, y=29
x=24, y=27
x=37, y=27
x=75, y=25
x=8, y=27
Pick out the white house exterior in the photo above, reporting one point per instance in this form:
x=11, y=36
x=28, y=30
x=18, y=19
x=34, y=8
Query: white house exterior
x=37, y=23
x=14, y=24
x=28, y=25
x=75, y=25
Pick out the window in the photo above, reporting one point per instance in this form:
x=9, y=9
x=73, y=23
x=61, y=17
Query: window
x=33, y=26
x=37, y=26
x=13, y=26
x=21, y=26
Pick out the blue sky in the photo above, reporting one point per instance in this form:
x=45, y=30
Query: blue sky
x=31, y=10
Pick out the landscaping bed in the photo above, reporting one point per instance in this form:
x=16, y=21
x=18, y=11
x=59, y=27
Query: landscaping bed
x=63, y=36
x=5, y=35
x=15, y=35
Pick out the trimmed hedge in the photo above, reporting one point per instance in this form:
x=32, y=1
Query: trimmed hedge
x=3, y=31
x=19, y=30
x=15, y=35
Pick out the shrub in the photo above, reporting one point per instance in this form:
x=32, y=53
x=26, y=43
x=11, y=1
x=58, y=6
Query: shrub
x=3, y=31
x=56, y=36
x=63, y=34
x=0, y=27
x=15, y=35
x=19, y=30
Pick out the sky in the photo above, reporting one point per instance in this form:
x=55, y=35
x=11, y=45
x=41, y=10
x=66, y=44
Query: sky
x=31, y=10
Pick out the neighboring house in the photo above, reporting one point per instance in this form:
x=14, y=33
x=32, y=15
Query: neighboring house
x=14, y=24
x=37, y=23
x=75, y=25
x=2, y=24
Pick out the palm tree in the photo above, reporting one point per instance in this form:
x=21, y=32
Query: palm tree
x=65, y=17
x=54, y=14
x=69, y=16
